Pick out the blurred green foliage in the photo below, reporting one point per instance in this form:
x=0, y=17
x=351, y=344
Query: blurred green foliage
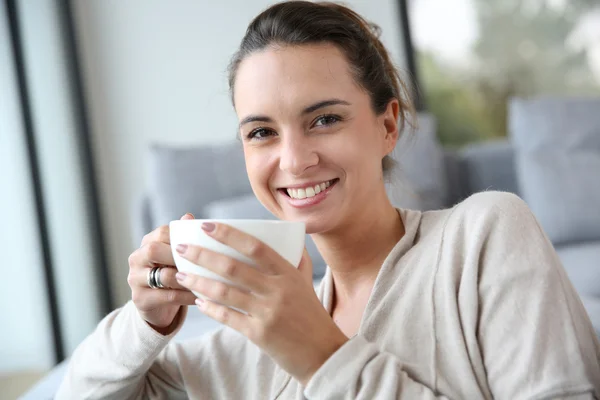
x=524, y=48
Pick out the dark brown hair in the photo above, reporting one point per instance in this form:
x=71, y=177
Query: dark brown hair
x=305, y=22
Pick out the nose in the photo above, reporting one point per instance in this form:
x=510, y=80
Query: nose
x=297, y=154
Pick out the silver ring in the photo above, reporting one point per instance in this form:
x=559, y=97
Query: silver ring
x=151, y=279
x=157, y=281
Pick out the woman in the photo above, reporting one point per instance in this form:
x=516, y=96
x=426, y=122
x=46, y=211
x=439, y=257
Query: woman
x=465, y=303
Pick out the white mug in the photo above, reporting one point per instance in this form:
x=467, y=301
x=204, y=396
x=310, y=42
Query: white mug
x=286, y=238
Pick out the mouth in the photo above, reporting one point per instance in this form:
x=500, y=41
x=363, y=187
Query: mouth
x=309, y=194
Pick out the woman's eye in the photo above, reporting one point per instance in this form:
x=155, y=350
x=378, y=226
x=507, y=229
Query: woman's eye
x=260, y=133
x=326, y=120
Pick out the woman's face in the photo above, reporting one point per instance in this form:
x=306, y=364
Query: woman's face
x=312, y=142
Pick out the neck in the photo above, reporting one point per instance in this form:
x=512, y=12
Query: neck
x=354, y=252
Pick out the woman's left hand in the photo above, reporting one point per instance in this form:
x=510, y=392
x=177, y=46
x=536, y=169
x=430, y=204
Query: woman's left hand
x=285, y=318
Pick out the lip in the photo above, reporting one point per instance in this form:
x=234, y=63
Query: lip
x=309, y=201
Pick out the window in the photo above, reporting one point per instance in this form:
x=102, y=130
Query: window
x=472, y=56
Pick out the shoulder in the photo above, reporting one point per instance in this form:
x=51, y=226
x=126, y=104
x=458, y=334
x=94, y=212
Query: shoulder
x=492, y=202
x=491, y=230
x=493, y=211
x=487, y=223
x=499, y=230
x=484, y=211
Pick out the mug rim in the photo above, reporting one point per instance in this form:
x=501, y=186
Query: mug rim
x=224, y=220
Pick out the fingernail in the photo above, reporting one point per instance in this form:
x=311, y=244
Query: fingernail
x=208, y=226
x=199, y=302
x=180, y=276
x=181, y=248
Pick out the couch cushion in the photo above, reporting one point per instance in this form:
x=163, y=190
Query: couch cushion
x=488, y=166
x=557, y=143
x=249, y=207
x=454, y=177
x=582, y=263
x=419, y=179
x=47, y=387
x=187, y=179
x=592, y=306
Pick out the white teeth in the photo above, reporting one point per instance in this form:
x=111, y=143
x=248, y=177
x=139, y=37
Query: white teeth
x=308, y=192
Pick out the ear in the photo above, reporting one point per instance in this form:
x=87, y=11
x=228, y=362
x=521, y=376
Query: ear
x=390, y=126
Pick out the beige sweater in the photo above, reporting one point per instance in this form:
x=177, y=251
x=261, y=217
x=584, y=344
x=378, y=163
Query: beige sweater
x=472, y=303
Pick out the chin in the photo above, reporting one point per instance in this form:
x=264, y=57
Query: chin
x=314, y=223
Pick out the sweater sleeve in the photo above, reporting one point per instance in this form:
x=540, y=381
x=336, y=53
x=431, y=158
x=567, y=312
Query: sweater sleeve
x=534, y=334
x=123, y=359
x=360, y=370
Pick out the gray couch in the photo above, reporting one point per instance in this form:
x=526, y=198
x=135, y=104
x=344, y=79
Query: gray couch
x=211, y=183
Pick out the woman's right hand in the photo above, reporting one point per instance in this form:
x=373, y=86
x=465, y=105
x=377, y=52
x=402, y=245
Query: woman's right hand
x=158, y=307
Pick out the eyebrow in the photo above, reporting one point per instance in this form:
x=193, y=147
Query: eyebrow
x=323, y=104
x=307, y=110
x=255, y=118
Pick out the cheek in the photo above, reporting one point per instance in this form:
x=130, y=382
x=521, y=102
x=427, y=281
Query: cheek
x=259, y=170
x=252, y=167
x=360, y=148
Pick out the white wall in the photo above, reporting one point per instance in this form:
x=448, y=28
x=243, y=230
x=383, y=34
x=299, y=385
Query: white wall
x=155, y=72
x=25, y=336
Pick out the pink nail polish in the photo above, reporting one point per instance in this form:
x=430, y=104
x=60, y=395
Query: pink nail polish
x=199, y=302
x=208, y=226
x=180, y=276
x=181, y=248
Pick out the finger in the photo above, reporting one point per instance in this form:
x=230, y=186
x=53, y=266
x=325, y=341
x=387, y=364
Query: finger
x=229, y=268
x=161, y=234
x=225, y=315
x=139, y=277
x=147, y=299
x=151, y=254
x=306, y=266
x=168, y=279
x=219, y=291
x=267, y=259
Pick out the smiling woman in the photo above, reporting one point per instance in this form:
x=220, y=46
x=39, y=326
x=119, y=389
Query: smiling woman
x=469, y=302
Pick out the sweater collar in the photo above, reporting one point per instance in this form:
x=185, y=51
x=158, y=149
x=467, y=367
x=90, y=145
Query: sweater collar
x=411, y=220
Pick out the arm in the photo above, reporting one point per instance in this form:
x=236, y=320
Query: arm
x=360, y=370
x=124, y=358
x=534, y=333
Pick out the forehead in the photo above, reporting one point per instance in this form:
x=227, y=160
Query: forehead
x=292, y=76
